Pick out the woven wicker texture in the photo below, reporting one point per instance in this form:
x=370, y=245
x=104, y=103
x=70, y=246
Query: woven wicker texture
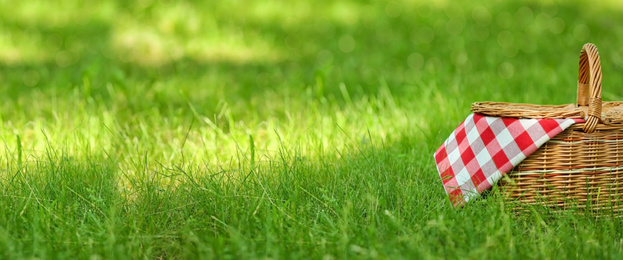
x=581, y=167
x=589, y=104
x=573, y=169
x=612, y=112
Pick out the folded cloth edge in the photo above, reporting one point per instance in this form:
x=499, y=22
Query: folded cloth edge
x=482, y=149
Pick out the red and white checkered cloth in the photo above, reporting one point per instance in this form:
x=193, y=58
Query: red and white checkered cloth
x=483, y=148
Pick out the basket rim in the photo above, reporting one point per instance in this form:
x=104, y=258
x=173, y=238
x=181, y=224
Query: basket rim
x=612, y=112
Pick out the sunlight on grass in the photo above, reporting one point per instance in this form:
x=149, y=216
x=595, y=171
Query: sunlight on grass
x=55, y=14
x=22, y=47
x=331, y=129
x=179, y=31
x=26, y=38
x=295, y=13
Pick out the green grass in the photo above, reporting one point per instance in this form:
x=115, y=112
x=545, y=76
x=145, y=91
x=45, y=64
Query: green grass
x=277, y=129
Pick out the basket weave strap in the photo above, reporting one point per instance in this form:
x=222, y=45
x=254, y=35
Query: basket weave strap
x=589, y=85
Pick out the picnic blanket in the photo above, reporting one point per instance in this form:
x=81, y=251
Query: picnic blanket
x=482, y=149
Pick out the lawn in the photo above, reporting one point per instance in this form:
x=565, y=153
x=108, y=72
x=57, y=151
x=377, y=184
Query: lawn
x=277, y=129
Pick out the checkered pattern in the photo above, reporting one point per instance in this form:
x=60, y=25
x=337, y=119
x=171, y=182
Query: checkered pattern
x=482, y=149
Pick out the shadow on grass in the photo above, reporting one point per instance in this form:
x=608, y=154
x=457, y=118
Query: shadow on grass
x=57, y=205
x=374, y=201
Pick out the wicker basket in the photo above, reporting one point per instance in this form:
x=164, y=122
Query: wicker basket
x=583, y=166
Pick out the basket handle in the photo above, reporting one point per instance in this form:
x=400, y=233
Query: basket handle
x=589, y=86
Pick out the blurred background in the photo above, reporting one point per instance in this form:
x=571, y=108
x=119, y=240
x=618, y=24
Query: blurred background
x=248, y=62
